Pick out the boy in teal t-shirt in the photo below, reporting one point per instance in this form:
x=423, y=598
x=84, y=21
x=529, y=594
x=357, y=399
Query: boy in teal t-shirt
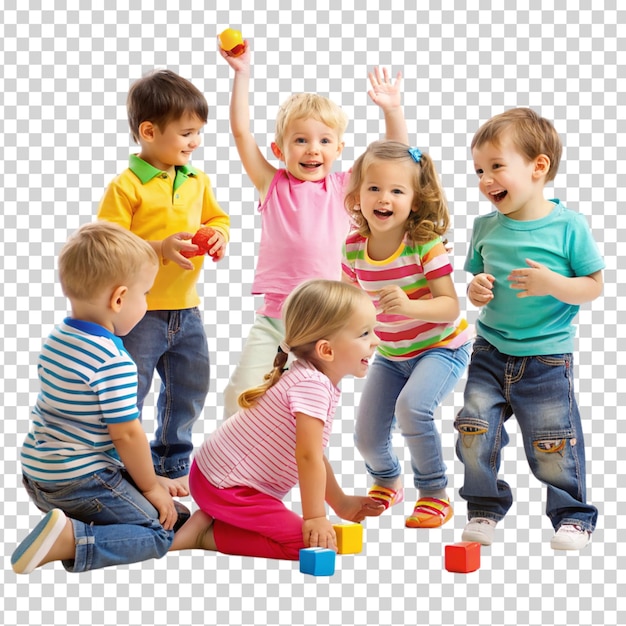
x=534, y=263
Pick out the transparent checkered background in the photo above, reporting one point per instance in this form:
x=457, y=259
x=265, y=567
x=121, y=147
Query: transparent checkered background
x=64, y=75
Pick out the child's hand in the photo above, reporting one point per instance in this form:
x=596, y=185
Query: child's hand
x=172, y=246
x=163, y=503
x=217, y=246
x=534, y=280
x=393, y=300
x=238, y=63
x=357, y=508
x=384, y=93
x=480, y=290
x=318, y=532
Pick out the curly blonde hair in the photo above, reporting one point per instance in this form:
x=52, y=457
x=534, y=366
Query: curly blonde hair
x=429, y=216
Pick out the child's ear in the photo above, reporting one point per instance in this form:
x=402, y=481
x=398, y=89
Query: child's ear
x=117, y=298
x=542, y=166
x=277, y=151
x=146, y=131
x=324, y=350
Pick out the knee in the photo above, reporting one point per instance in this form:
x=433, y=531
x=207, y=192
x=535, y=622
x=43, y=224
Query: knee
x=472, y=435
x=411, y=417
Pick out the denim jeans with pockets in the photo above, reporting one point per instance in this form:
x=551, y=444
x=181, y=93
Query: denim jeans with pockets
x=175, y=344
x=539, y=391
x=113, y=522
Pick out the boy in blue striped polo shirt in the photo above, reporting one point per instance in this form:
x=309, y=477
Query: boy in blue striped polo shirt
x=86, y=460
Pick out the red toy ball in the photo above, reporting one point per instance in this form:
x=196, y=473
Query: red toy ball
x=201, y=239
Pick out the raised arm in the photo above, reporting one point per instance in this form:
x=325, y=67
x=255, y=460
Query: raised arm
x=258, y=168
x=387, y=95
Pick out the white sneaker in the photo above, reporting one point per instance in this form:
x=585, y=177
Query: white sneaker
x=570, y=537
x=480, y=529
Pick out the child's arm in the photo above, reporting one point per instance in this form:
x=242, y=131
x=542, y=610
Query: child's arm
x=132, y=446
x=442, y=307
x=538, y=280
x=258, y=168
x=387, y=96
x=317, y=531
x=117, y=207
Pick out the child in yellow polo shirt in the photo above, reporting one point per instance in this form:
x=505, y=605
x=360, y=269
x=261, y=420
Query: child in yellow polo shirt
x=164, y=200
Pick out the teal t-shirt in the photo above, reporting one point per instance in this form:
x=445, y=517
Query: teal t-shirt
x=536, y=325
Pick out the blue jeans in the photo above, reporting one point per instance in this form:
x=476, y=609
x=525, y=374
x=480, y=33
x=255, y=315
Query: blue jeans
x=539, y=391
x=113, y=523
x=407, y=393
x=175, y=344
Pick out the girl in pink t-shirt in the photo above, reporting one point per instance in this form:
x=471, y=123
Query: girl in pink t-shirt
x=243, y=471
x=303, y=221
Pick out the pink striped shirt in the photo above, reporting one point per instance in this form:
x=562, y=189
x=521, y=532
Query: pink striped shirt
x=410, y=267
x=256, y=447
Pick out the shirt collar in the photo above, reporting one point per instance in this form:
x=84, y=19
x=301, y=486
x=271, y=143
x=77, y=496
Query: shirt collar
x=92, y=328
x=146, y=172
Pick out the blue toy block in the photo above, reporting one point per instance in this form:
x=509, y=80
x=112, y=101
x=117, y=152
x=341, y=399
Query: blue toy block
x=317, y=561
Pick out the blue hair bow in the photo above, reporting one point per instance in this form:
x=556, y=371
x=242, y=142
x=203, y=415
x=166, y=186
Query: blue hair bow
x=416, y=154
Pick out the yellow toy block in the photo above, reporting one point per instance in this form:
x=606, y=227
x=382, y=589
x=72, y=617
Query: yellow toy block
x=349, y=538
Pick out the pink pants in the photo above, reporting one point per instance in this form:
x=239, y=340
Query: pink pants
x=248, y=522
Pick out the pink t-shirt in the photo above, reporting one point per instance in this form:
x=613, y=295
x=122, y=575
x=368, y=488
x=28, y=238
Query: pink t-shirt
x=256, y=447
x=303, y=227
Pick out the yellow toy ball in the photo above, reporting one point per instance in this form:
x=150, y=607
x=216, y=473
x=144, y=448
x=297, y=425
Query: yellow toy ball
x=232, y=41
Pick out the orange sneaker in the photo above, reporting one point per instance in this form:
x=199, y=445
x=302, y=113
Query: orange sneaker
x=430, y=513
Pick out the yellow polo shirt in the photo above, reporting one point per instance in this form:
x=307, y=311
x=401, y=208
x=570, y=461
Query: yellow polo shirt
x=146, y=201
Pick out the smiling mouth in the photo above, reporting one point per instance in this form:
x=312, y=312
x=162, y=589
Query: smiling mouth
x=383, y=213
x=498, y=197
x=310, y=166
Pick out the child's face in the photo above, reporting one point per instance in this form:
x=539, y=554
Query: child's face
x=309, y=149
x=353, y=346
x=174, y=144
x=508, y=180
x=386, y=197
x=134, y=304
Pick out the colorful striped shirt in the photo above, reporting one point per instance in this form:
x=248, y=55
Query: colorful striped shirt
x=410, y=267
x=256, y=447
x=88, y=381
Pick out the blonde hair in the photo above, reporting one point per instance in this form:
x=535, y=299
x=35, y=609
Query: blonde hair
x=100, y=255
x=309, y=105
x=315, y=310
x=429, y=216
x=530, y=133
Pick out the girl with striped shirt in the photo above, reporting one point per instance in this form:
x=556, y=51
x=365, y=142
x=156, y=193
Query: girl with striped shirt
x=243, y=471
x=398, y=257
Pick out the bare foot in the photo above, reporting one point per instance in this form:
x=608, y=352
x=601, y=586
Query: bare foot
x=196, y=533
x=176, y=487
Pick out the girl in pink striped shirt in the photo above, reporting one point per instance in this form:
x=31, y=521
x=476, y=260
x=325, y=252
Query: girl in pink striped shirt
x=398, y=257
x=243, y=471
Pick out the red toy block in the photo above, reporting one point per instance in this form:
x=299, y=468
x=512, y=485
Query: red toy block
x=463, y=557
